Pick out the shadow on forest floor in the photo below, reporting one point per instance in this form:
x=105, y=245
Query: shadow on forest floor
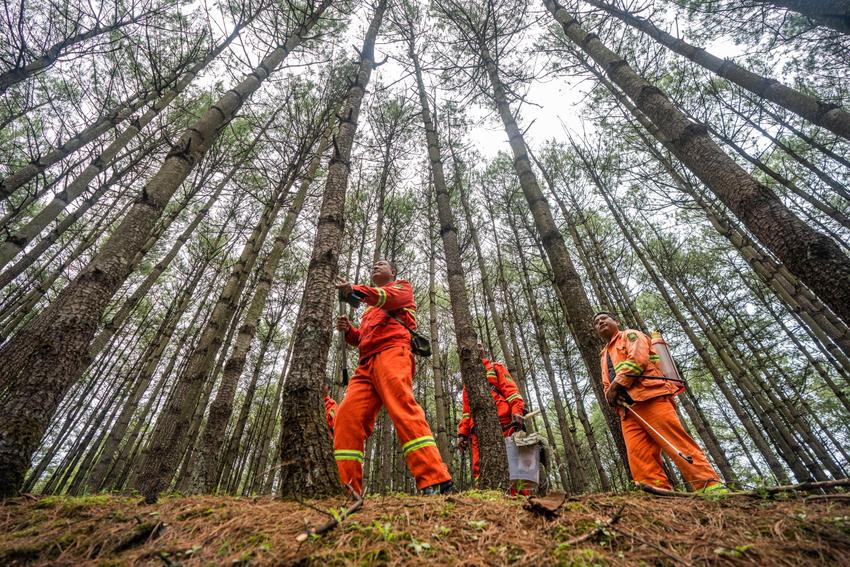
x=473, y=528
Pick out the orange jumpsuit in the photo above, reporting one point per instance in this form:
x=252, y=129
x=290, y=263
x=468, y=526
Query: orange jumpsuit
x=634, y=360
x=384, y=376
x=330, y=412
x=508, y=403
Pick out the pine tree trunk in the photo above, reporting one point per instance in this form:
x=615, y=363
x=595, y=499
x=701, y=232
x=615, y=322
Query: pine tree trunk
x=492, y=453
x=308, y=467
x=577, y=307
x=444, y=433
x=811, y=256
x=485, y=281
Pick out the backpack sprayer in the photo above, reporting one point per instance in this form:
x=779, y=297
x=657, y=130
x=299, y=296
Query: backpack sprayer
x=671, y=373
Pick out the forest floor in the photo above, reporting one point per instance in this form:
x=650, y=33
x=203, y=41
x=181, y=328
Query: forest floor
x=472, y=528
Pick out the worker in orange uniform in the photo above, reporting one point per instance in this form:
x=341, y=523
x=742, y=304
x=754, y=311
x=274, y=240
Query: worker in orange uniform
x=330, y=409
x=384, y=376
x=631, y=374
x=509, y=406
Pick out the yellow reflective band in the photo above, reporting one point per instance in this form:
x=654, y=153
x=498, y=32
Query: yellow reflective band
x=419, y=443
x=348, y=455
x=463, y=415
x=629, y=365
x=412, y=313
x=654, y=357
x=513, y=397
x=491, y=373
x=382, y=297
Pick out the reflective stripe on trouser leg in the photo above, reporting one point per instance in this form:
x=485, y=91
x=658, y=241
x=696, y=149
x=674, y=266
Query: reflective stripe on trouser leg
x=392, y=374
x=355, y=418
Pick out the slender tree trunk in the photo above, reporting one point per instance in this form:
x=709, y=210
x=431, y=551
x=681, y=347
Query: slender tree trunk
x=811, y=256
x=485, y=281
x=443, y=426
x=577, y=309
x=307, y=465
x=492, y=454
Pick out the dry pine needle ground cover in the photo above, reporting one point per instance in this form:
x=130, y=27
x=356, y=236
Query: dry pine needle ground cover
x=475, y=528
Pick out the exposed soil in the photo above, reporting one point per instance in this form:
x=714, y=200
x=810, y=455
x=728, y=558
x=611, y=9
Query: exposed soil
x=474, y=528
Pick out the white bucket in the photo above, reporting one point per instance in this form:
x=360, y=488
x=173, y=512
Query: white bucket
x=523, y=461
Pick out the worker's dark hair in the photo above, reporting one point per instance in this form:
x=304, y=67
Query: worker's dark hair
x=611, y=315
x=391, y=263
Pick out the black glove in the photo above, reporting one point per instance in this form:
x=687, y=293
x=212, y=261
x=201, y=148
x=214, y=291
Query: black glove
x=517, y=422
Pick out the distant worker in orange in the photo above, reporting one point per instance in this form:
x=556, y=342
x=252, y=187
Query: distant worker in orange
x=330, y=409
x=509, y=406
x=384, y=377
x=636, y=386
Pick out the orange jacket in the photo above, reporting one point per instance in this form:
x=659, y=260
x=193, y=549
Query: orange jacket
x=634, y=359
x=330, y=411
x=505, y=393
x=377, y=330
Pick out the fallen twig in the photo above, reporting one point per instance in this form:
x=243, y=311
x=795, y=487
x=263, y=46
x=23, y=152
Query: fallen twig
x=757, y=493
x=598, y=529
x=644, y=541
x=333, y=522
x=839, y=497
x=664, y=492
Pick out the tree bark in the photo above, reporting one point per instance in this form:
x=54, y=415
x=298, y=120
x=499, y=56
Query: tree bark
x=308, y=466
x=492, y=453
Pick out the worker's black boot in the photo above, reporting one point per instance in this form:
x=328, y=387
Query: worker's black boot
x=443, y=488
